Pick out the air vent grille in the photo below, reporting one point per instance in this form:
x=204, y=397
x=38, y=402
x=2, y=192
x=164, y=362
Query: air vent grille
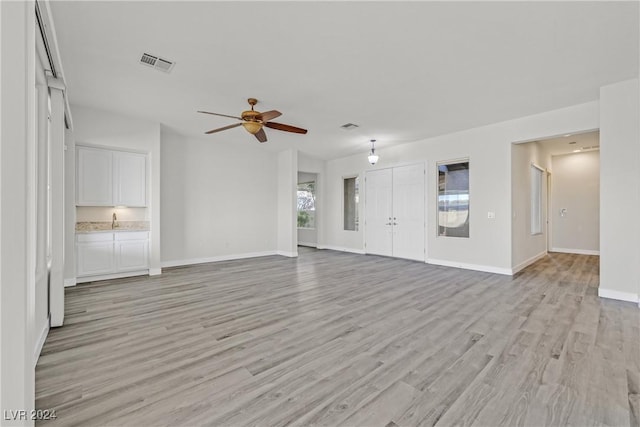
x=156, y=62
x=349, y=126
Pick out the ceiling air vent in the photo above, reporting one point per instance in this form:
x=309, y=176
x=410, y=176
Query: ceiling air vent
x=156, y=62
x=349, y=126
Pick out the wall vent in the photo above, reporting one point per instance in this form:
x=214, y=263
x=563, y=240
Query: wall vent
x=349, y=126
x=156, y=62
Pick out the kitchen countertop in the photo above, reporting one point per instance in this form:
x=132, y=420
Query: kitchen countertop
x=105, y=226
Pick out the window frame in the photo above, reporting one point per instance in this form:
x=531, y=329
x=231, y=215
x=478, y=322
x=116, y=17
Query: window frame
x=315, y=183
x=357, y=183
x=437, y=193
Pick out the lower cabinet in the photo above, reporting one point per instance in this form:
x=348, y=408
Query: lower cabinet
x=131, y=251
x=100, y=254
x=95, y=254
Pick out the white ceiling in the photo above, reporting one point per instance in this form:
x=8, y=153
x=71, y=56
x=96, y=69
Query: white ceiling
x=572, y=143
x=403, y=71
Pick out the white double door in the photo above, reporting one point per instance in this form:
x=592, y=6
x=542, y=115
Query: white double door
x=394, y=212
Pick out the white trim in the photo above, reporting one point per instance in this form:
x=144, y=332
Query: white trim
x=41, y=340
x=309, y=244
x=180, y=262
x=617, y=295
x=112, y=148
x=466, y=266
x=155, y=271
x=540, y=168
x=342, y=249
x=528, y=262
x=69, y=282
x=288, y=254
x=575, y=251
x=85, y=279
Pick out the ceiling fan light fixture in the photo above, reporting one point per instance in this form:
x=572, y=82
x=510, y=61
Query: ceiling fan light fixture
x=373, y=157
x=252, y=127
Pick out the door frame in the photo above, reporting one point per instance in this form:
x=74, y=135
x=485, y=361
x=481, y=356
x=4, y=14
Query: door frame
x=363, y=192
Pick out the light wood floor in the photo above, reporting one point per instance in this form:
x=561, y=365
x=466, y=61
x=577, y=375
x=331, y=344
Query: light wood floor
x=341, y=339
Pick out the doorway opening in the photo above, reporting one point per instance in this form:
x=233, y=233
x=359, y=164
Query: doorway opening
x=555, y=197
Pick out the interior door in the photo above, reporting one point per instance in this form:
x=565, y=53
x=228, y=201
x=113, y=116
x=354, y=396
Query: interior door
x=408, y=212
x=378, y=212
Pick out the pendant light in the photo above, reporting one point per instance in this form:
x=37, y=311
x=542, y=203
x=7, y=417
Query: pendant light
x=373, y=157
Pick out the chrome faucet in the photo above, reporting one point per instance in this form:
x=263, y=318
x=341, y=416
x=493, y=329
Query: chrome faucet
x=114, y=221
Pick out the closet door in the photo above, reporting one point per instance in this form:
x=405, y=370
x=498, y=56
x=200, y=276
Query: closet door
x=408, y=212
x=378, y=212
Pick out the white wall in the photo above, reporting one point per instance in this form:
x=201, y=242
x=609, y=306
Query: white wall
x=526, y=248
x=287, y=198
x=104, y=128
x=219, y=199
x=489, y=151
x=336, y=237
x=17, y=207
x=619, y=194
x=576, y=187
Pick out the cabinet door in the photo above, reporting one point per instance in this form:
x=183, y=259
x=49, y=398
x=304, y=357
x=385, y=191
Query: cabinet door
x=94, y=177
x=132, y=255
x=378, y=212
x=130, y=179
x=408, y=212
x=95, y=258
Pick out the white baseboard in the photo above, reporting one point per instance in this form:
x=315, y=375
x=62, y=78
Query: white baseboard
x=528, y=262
x=342, y=249
x=69, y=282
x=308, y=244
x=155, y=271
x=180, y=262
x=86, y=279
x=466, y=266
x=40, y=342
x=620, y=296
x=575, y=251
x=288, y=254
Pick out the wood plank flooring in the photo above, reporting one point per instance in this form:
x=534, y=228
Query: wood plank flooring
x=342, y=339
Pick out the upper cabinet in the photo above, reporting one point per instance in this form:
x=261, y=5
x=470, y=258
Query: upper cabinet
x=129, y=179
x=110, y=178
x=94, y=177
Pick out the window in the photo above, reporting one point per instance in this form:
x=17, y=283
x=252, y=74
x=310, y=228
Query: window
x=307, y=205
x=453, y=199
x=351, y=204
x=536, y=199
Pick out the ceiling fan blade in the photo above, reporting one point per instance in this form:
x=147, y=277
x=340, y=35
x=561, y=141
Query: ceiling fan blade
x=261, y=136
x=286, y=128
x=235, y=125
x=269, y=115
x=222, y=115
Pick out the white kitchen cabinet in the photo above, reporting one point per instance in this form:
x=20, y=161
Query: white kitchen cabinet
x=95, y=254
x=94, y=177
x=111, y=253
x=110, y=177
x=131, y=251
x=130, y=179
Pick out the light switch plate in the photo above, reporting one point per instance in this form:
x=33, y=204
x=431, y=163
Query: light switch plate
x=491, y=215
